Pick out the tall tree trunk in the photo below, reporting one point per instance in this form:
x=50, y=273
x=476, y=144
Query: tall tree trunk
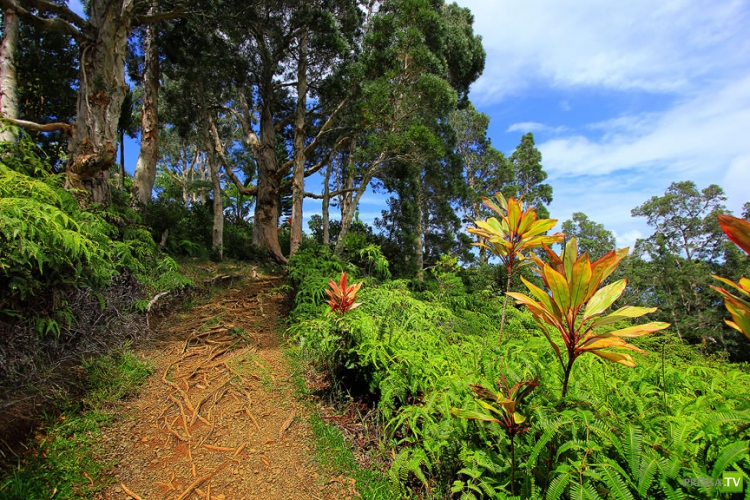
x=217, y=232
x=145, y=168
x=101, y=90
x=349, y=209
x=326, y=205
x=8, y=78
x=122, y=159
x=298, y=183
x=267, y=204
x=419, y=243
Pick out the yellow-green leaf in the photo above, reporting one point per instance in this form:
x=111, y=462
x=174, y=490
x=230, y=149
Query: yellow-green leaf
x=616, y=357
x=743, y=286
x=740, y=315
x=579, y=281
x=569, y=256
x=540, y=294
x=558, y=285
x=473, y=415
x=640, y=330
x=623, y=313
x=604, y=298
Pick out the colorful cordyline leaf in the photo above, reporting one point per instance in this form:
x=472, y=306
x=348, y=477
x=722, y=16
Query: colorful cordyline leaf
x=341, y=296
x=501, y=405
x=514, y=232
x=501, y=409
x=575, y=306
x=738, y=230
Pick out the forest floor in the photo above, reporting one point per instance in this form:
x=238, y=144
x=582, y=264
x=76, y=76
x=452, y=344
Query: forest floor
x=219, y=418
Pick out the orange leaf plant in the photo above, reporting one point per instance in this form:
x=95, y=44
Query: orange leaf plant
x=514, y=231
x=342, y=296
x=502, y=411
x=575, y=306
x=738, y=231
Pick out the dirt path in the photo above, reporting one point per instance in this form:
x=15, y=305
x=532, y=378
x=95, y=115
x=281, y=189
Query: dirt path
x=218, y=418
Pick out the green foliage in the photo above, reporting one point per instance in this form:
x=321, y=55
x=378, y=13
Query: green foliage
x=45, y=241
x=48, y=242
x=622, y=433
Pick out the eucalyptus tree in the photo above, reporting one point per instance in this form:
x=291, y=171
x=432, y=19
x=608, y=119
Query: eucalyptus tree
x=530, y=176
x=419, y=58
x=276, y=56
x=45, y=79
x=102, y=41
x=145, y=167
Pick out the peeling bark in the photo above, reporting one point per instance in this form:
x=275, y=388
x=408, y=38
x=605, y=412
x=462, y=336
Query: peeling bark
x=267, y=203
x=298, y=184
x=217, y=232
x=8, y=78
x=93, y=144
x=145, y=168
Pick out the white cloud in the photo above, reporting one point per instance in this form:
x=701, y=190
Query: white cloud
x=524, y=127
x=702, y=135
x=656, y=47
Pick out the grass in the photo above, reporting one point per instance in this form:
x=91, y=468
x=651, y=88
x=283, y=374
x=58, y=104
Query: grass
x=64, y=460
x=333, y=452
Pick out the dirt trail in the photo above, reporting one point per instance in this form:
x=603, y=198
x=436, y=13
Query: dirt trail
x=218, y=418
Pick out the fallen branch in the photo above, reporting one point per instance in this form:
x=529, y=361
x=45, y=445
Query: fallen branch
x=218, y=448
x=202, y=480
x=132, y=495
x=287, y=424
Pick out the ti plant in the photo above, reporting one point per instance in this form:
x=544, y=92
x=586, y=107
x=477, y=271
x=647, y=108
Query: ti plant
x=514, y=231
x=502, y=411
x=342, y=296
x=738, y=306
x=575, y=304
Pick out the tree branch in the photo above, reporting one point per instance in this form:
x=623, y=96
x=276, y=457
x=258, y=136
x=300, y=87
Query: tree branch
x=41, y=127
x=315, y=168
x=61, y=11
x=244, y=190
x=160, y=16
x=283, y=123
x=314, y=144
x=331, y=194
x=57, y=24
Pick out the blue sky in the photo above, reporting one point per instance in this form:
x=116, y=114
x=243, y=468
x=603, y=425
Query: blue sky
x=623, y=99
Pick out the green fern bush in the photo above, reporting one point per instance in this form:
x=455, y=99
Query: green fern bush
x=620, y=434
x=47, y=242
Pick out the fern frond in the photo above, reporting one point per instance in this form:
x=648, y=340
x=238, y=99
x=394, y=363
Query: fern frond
x=729, y=454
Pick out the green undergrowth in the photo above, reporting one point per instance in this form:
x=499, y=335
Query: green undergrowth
x=64, y=460
x=671, y=427
x=333, y=454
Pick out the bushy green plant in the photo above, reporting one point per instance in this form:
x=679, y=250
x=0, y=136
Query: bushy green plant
x=418, y=358
x=48, y=242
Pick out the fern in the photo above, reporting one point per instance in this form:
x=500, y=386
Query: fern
x=728, y=456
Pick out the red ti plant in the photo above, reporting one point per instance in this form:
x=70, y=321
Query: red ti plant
x=575, y=304
x=512, y=233
x=342, y=296
x=502, y=411
x=738, y=306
